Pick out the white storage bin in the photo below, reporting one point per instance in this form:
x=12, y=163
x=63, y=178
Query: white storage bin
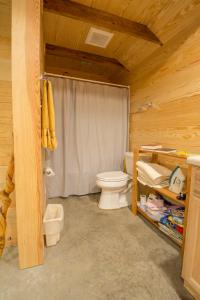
x=53, y=223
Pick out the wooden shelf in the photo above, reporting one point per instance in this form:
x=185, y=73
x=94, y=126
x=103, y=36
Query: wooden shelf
x=172, y=154
x=147, y=217
x=155, y=223
x=165, y=191
x=172, y=196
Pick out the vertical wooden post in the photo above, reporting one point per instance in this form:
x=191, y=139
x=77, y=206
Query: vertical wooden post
x=135, y=182
x=191, y=259
x=26, y=22
x=189, y=176
x=154, y=158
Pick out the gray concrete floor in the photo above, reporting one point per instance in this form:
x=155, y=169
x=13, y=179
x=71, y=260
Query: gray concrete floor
x=102, y=255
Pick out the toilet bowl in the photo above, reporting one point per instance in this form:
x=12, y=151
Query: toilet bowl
x=116, y=186
x=114, y=189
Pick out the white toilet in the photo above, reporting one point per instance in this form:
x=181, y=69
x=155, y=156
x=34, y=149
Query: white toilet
x=116, y=186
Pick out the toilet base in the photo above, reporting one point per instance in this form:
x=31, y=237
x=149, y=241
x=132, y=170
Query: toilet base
x=114, y=200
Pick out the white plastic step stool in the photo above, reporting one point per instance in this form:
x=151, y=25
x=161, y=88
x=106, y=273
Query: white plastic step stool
x=53, y=223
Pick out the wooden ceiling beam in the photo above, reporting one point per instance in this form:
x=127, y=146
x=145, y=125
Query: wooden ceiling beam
x=100, y=18
x=82, y=56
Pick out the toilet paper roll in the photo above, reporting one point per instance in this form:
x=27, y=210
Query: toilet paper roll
x=49, y=172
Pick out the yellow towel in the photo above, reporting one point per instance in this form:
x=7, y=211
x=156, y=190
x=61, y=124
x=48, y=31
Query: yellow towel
x=45, y=117
x=49, y=140
x=5, y=203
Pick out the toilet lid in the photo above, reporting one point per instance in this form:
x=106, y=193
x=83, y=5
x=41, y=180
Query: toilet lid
x=112, y=176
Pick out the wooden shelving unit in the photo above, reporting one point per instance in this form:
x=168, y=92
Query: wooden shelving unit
x=155, y=223
x=171, y=197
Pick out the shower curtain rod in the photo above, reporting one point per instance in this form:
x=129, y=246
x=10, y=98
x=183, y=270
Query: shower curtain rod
x=87, y=80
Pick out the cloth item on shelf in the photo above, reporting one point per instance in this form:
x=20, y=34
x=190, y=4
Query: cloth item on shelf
x=154, y=202
x=154, y=171
x=177, y=220
x=145, y=180
x=155, y=207
x=153, y=174
x=154, y=215
x=177, y=211
x=5, y=202
x=169, y=223
x=171, y=219
x=170, y=232
x=49, y=140
x=179, y=229
x=160, y=213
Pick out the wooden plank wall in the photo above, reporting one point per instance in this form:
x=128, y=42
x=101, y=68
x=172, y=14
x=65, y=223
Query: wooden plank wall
x=5, y=88
x=26, y=55
x=170, y=80
x=6, y=137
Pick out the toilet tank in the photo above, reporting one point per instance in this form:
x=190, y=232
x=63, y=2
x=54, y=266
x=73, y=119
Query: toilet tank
x=129, y=163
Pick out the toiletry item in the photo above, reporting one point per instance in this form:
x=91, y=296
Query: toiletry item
x=143, y=199
x=181, y=196
x=49, y=172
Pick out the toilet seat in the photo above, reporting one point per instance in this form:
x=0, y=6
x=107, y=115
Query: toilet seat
x=115, y=176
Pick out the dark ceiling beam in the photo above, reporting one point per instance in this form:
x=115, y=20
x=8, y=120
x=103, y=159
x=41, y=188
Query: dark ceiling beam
x=100, y=18
x=82, y=56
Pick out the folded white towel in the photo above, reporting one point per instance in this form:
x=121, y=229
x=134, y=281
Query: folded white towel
x=152, y=173
x=145, y=180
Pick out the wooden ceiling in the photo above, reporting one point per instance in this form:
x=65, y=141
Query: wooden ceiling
x=165, y=18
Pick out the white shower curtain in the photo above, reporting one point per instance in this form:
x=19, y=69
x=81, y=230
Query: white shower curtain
x=91, y=128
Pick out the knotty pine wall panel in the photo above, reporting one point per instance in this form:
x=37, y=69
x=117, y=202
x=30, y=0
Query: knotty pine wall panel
x=6, y=140
x=172, y=85
x=6, y=124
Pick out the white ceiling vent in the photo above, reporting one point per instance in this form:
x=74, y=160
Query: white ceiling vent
x=99, y=38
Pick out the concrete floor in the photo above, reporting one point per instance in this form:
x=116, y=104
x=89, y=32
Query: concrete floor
x=102, y=255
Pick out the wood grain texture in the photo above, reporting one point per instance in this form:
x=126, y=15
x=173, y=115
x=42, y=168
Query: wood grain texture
x=11, y=228
x=5, y=85
x=191, y=260
x=169, y=79
x=170, y=160
x=6, y=137
x=27, y=126
x=77, y=73
x=166, y=19
x=100, y=18
x=86, y=65
x=81, y=55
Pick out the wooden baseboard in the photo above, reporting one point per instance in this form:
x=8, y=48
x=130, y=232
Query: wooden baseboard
x=191, y=290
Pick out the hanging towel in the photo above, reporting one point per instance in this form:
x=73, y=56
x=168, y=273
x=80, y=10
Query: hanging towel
x=49, y=140
x=5, y=203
